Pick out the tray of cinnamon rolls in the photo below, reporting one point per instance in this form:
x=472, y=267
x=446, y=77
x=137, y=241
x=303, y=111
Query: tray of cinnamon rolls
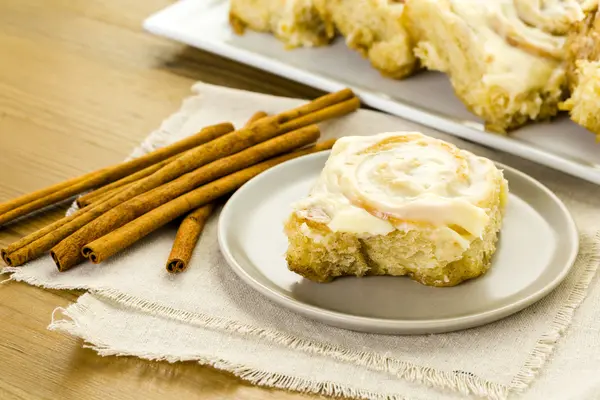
x=521, y=76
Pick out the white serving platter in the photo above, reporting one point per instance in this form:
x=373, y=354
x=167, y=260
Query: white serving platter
x=426, y=98
x=537, y=248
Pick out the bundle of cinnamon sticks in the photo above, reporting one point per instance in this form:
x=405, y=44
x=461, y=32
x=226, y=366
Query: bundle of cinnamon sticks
x=134, y=198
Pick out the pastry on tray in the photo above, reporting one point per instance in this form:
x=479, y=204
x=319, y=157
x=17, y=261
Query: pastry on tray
x=374, y=28
x=505, y=71
x=583, y=71
x=398, y=204
x=295, y=22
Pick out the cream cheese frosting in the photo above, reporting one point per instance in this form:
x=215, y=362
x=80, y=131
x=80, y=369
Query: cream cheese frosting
x=554, y=16
x=518, y=57
x=372, y=185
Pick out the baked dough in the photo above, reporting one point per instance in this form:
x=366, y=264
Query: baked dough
x=295, y=22
x=375, y=29
x=505, y=71
x=398, y=204
x=583, y=70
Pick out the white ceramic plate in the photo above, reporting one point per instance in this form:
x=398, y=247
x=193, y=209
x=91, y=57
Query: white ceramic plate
x=528, y=264
x=426, y=98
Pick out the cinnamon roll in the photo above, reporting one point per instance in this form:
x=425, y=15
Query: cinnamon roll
x=374, y=28
x=583, y=70
x=295, y=22
x=504, y=69
x=398, y=204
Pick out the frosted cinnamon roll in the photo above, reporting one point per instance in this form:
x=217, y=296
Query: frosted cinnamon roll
x=374, y=28
x=398, y=204
x=505, y=70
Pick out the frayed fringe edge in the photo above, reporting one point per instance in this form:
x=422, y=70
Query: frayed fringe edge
x=562, y=321
x=462, y=383
x=18, y=274
x=251, y=375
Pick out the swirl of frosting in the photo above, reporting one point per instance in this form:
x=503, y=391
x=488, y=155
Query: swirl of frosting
x=552, y=16
x=375, y=184
x=507, y=23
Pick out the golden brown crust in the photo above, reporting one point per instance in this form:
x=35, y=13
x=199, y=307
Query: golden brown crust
x=373, y=28
x=237, y=24
x=583, y=43
x=295, y=22
x=323, y=255
x=584, y=103
x=583, y=70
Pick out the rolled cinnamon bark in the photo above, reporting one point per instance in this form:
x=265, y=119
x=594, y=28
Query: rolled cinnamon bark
x=334, y=111
x=198, y=156
x=315, y=105
x=39, y=242
x=42, y=198
x=192, y=225
x=111, y=188
x=187, y=237
x=123, y=237
x=255, y=117
x=19, y=252
x=105, y=196
x=65, y=255
x=105, y=192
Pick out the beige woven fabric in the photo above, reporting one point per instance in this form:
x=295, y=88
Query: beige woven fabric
x=550, y=350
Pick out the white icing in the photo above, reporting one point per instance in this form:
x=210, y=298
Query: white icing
x=513, y=66
x=372, y=185
x=553, y=15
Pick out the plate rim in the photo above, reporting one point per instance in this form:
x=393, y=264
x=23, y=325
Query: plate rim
x=387, y=325
x=158, y=24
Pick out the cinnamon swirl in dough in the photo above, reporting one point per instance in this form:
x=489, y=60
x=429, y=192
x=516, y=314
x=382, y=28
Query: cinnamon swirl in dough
x=398, y=204
x=583, y=70
x=375, y=29
x=552, y=16
x=505, y=70
x=295, y=22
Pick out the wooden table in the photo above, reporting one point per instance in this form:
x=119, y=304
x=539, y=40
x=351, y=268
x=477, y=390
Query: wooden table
x=80, y=85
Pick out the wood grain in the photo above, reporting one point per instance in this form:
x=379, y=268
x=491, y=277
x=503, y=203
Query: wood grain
x=80, y=85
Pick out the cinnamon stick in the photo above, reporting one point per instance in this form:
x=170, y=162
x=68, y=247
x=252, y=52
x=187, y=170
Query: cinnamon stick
x=109, y=190
x=105, y=196
x=34, y=201
x=315, y=105
x=37, y=243
x=19, y=252
x=198, y=156
x=42, y=198
x=64, y=254
x=255, y=117
x=334, y=111
x=123, y=237
x=96, y=195
x=187, y=237
x=192, y=225
x=67, y=253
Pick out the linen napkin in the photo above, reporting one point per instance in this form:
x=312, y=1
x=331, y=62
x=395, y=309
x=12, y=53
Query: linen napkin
x=541, y=352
